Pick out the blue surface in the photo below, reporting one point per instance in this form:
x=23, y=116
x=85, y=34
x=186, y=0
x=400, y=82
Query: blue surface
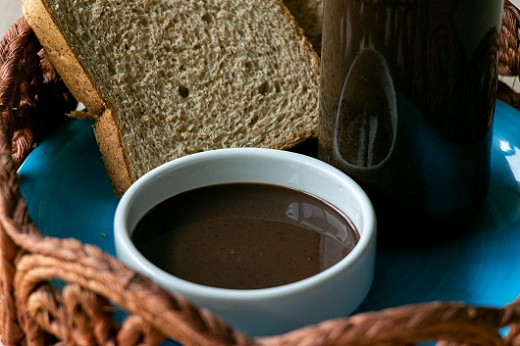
x=69, y=195
x=66, y=187
x=480, y=267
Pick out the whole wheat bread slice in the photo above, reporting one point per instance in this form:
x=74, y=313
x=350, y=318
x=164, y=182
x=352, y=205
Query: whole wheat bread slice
x=167, y=78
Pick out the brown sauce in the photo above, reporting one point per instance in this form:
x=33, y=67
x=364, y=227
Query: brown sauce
x=244, y=236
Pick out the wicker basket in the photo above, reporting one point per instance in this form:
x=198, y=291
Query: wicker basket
x=33, y=101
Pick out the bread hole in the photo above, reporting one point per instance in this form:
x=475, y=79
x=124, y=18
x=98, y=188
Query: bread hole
x=239, y=34
x=137, y=11
x=183, y=91
x=248, y=65
x=207, y=18
x=253, y=120
x=263, y=88
x=182, y=127
x=277, y=86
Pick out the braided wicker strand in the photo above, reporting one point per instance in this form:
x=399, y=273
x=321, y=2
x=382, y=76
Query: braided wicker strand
x=17, y=93
x=95, y=285
x=510, y=49
x=509, y=62
x=15, y=77
x=407, y=325
x=25, y=74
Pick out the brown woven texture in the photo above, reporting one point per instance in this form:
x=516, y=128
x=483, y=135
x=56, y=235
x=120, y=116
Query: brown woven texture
x=93, y=285
x=509, y=62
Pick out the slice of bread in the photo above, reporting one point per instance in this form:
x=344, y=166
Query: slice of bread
x=168, y=78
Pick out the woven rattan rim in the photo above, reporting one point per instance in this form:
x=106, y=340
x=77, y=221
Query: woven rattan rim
x=33, y=101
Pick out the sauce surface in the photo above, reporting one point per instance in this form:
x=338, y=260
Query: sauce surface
x=244, y=235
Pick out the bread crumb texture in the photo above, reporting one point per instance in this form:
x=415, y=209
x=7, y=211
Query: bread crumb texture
x=190, y=76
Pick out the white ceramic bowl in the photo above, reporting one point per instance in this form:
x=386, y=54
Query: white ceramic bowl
x=335, y=292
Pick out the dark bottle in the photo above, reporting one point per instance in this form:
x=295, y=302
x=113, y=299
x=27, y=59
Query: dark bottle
x=406, y=105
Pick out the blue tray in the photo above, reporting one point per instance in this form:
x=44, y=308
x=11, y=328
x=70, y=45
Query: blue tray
x=69, y=195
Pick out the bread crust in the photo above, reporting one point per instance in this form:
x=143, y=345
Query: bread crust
x=61, y=56
x=59, y=53
x=108, y=138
